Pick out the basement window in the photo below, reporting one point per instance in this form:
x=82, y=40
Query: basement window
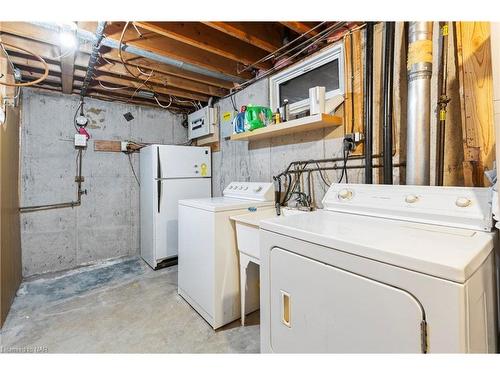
x=325, y=68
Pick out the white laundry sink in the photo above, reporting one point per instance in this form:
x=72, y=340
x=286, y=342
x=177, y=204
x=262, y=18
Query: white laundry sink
x=248, y=225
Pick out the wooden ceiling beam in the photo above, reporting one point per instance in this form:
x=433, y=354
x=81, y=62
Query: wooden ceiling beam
x=119, y=81
x=67, y=68
x=264, y=35
x=31, y=35
x=198, y=35
x=300, y=27
x=127, y=93
x=50, y=53
x=172, y=48
x=162, y=79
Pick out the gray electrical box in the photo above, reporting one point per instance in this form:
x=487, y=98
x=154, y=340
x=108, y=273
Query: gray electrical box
x=202, y=122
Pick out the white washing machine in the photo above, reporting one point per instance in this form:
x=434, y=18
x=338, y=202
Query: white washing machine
x=208, y=257
x=382, y=268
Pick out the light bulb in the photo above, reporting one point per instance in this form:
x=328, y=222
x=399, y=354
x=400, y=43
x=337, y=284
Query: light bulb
x=67, y=39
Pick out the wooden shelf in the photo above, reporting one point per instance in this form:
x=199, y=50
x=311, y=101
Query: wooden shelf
x=302, y=124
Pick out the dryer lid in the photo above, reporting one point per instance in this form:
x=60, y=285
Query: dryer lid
x=460, y=207
x=445, y=252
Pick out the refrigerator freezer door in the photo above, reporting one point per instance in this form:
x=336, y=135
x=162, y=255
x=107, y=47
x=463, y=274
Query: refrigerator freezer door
x=168, y=194
x=184, y=162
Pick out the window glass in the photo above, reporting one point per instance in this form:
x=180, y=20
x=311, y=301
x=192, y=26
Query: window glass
x=297, y=89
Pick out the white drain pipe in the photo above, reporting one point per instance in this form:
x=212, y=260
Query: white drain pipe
x=419, y=67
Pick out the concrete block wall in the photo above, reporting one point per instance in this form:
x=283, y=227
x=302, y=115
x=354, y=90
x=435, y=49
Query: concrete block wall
x=107, y=223
x=260, y=160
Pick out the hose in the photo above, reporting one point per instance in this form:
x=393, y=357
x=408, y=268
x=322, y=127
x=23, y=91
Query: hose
x=42, y=78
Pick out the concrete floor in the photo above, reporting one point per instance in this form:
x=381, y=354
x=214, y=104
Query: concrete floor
x=116, y=307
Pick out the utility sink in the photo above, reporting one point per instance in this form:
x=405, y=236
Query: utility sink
x=248, y=225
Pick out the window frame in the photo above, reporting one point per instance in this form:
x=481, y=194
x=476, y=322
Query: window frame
x=329, y=54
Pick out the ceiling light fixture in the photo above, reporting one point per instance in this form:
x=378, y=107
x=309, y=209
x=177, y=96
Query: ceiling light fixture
x=67, y=36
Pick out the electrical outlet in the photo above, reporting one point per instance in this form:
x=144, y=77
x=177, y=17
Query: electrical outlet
x=355, y=137
x=80, y=140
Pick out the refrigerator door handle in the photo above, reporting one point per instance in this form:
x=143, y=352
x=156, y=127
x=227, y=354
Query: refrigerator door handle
x=158, y=183
x=158, y=168
x=158, y=177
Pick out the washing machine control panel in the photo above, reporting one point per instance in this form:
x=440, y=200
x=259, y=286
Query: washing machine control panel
x=258, y=191
x=461, y=207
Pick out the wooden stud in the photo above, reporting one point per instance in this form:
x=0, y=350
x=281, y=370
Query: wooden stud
x=476, y=97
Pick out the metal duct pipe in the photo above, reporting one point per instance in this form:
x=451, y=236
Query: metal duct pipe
x=368, y=104
x=419, y=67
x=115, y=44
x=387, y=100
x=94, y=56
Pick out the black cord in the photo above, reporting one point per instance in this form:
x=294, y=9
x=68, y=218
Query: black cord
x=80, y=106
x=233, y=102
x=344, y=168
x=132, y=167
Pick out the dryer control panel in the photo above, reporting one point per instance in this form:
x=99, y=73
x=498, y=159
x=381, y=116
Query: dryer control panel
x=462, y=207
x=257, y=191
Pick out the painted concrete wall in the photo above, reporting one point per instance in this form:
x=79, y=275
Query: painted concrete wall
x=260, y=160
x=107, y=223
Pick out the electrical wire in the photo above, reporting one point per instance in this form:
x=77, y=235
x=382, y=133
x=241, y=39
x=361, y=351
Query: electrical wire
x=266, y=73
x=274, y=53
x=132, y=167
x=112, y=88
x=31, y=83
x=161, y=105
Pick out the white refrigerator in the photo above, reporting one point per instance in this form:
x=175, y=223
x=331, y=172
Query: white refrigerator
x=167, y=174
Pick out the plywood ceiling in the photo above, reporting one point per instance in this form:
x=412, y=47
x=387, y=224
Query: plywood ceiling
x=234, y=52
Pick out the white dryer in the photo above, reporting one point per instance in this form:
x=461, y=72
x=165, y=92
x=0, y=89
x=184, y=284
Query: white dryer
x=208, y=257
x=382, y=268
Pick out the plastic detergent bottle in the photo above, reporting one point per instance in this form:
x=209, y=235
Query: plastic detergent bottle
x=239, y=123
x=257, y=117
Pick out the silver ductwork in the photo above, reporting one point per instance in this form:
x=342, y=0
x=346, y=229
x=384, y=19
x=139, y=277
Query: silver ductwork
x=419, y=67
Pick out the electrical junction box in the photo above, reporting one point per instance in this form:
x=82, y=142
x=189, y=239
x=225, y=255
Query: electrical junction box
x=80, y=140
x=202, y=122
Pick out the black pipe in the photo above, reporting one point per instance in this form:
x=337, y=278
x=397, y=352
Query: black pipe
x=368, y=104
x=387, y=100
x=443, y=101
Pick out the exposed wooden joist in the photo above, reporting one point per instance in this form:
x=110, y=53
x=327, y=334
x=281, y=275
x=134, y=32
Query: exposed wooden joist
x=50, y=53
x=202, y=36
x=300, y=27
x=161, y=78
x=50, y=42
x=264, y=35
x=139, y=85
x=67, y=69
x=174, y=49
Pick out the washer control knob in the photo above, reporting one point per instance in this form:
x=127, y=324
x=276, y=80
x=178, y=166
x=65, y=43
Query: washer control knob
x=463, y=202
x=345, y=194
x=246, y=188
x=241, y=187
x=411, y=198
x=257, y=189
